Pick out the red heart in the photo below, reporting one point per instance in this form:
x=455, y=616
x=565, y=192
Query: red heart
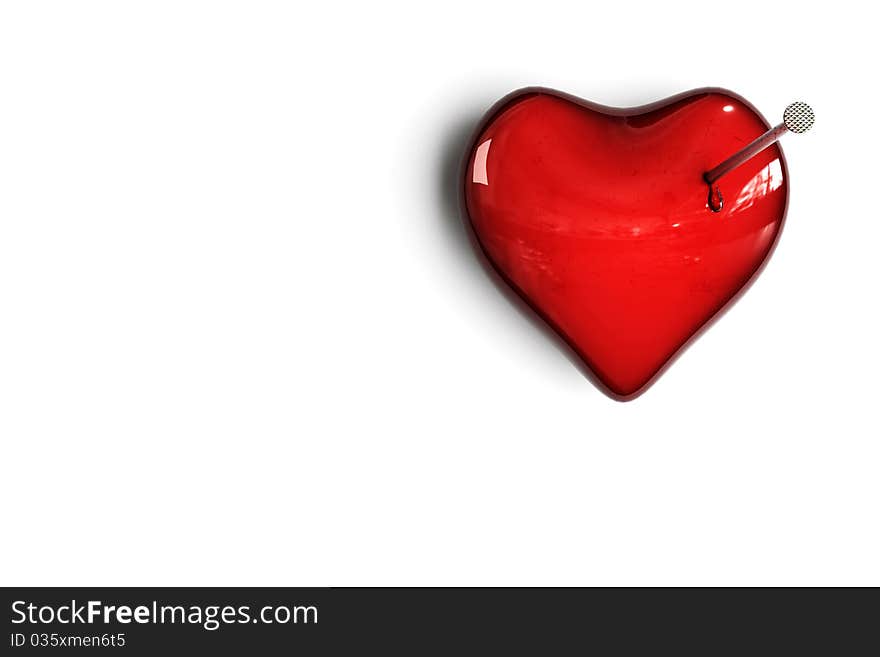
x=598, y=217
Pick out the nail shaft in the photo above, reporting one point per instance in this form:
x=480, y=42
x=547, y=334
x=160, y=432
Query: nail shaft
x=745, y=153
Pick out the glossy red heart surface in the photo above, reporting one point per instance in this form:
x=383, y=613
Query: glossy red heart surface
x=598, y=217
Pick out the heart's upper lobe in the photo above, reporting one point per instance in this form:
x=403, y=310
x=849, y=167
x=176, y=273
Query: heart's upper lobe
x=598, y=218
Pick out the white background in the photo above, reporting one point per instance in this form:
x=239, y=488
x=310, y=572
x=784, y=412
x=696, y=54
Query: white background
x=244, y=339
